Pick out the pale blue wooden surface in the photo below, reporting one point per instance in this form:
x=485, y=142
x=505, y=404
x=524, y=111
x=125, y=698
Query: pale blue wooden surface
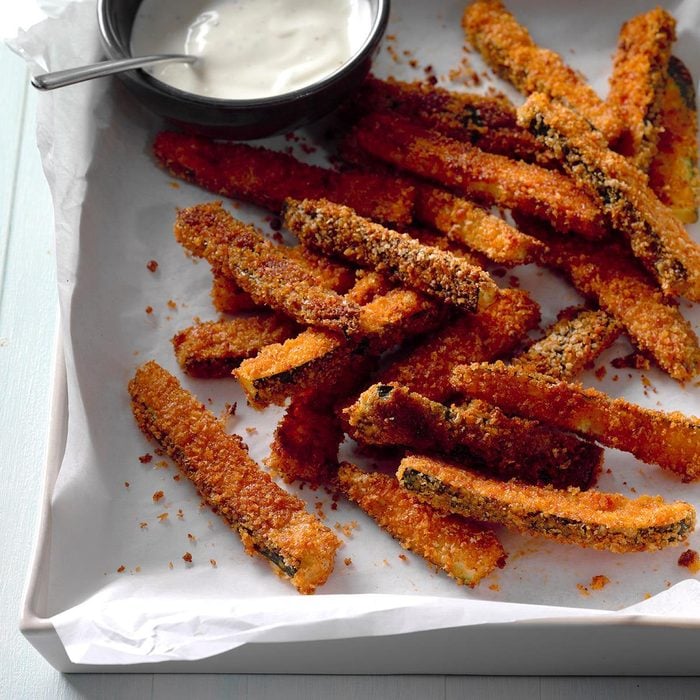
x=28, y=317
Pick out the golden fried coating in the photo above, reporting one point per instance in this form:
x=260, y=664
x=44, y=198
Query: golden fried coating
x=466, y=223
x=270, y=521
x=390, y=414
x=570, y=344
x=594, y=519
x=673, y=174
x=306, y=442
x=318, y=358
x=267, y=178
x=657, y=238
x=262, y=269
x=466, y=551
x=486, y=335
x=227, y=297
x=215, y=348
x=611, y=277
x=485, y=121
x=492, y=178
x=671, y=440
x=509, y=49
x=337, y=230
x=638, y=79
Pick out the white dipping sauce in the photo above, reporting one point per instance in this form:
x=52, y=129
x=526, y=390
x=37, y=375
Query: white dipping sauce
x=250, y=48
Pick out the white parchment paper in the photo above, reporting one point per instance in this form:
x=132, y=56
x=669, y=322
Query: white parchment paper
x=119, y=591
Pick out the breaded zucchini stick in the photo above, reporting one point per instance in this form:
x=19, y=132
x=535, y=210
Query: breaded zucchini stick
x=570, y=345
x=509, y=49
x=270, y=521
x=267, y=178
x=264, y=270
x=390, y=414
x=594, y=519
x=611, y=277
x=637, y=81
x=466, y=551
x=673, y=174
x=671, y=440
x=229, y=298
x=486, y=335
x=492, y=178
x=466, y=223
x=488, y=122
x=215, y=348
x=316, y=357
x=307, y=439
x=337, y=230
x=657, y=238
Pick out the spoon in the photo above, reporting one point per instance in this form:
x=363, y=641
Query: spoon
x=61, y=78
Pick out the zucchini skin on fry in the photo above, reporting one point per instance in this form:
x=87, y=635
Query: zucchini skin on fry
x=674, y=174
x=656, y=237
x=387, y=414
x=593, y=519
x=270, y=521
x=509, y=49
x=466, y=551
x=671, y=440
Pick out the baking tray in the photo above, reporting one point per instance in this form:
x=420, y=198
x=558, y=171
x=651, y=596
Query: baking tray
x=616, y=644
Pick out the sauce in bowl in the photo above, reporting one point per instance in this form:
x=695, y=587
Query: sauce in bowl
x=250, y=49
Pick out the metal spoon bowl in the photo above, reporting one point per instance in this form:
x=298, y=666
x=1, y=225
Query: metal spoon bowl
x=61, y=78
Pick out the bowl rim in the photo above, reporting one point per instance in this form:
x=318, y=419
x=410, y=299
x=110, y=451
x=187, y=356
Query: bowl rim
x=374, y=35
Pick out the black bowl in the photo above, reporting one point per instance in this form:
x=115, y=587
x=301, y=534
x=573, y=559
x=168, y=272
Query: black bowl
x=236, y=119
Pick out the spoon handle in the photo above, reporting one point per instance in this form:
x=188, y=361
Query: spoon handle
x=61, y=78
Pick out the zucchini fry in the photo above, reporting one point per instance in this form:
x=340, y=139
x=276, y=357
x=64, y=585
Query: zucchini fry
x=215, y=348
x=485, y=335
x=270, y=521
x=610, y=277
x=390, y=414
x=492, y=178
x=594, y=519
x=488, y=122
x=264, y=270
x=316, y=357
x=509, y=49
x=468, y=224
x=267, y=178
x=465, y=551
x=671, y=440
x=570, y=345
x=229, y=298
x=657, y=238
x=307, y=439
x=638, y=79
x=337, y=230
x=673, y=174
